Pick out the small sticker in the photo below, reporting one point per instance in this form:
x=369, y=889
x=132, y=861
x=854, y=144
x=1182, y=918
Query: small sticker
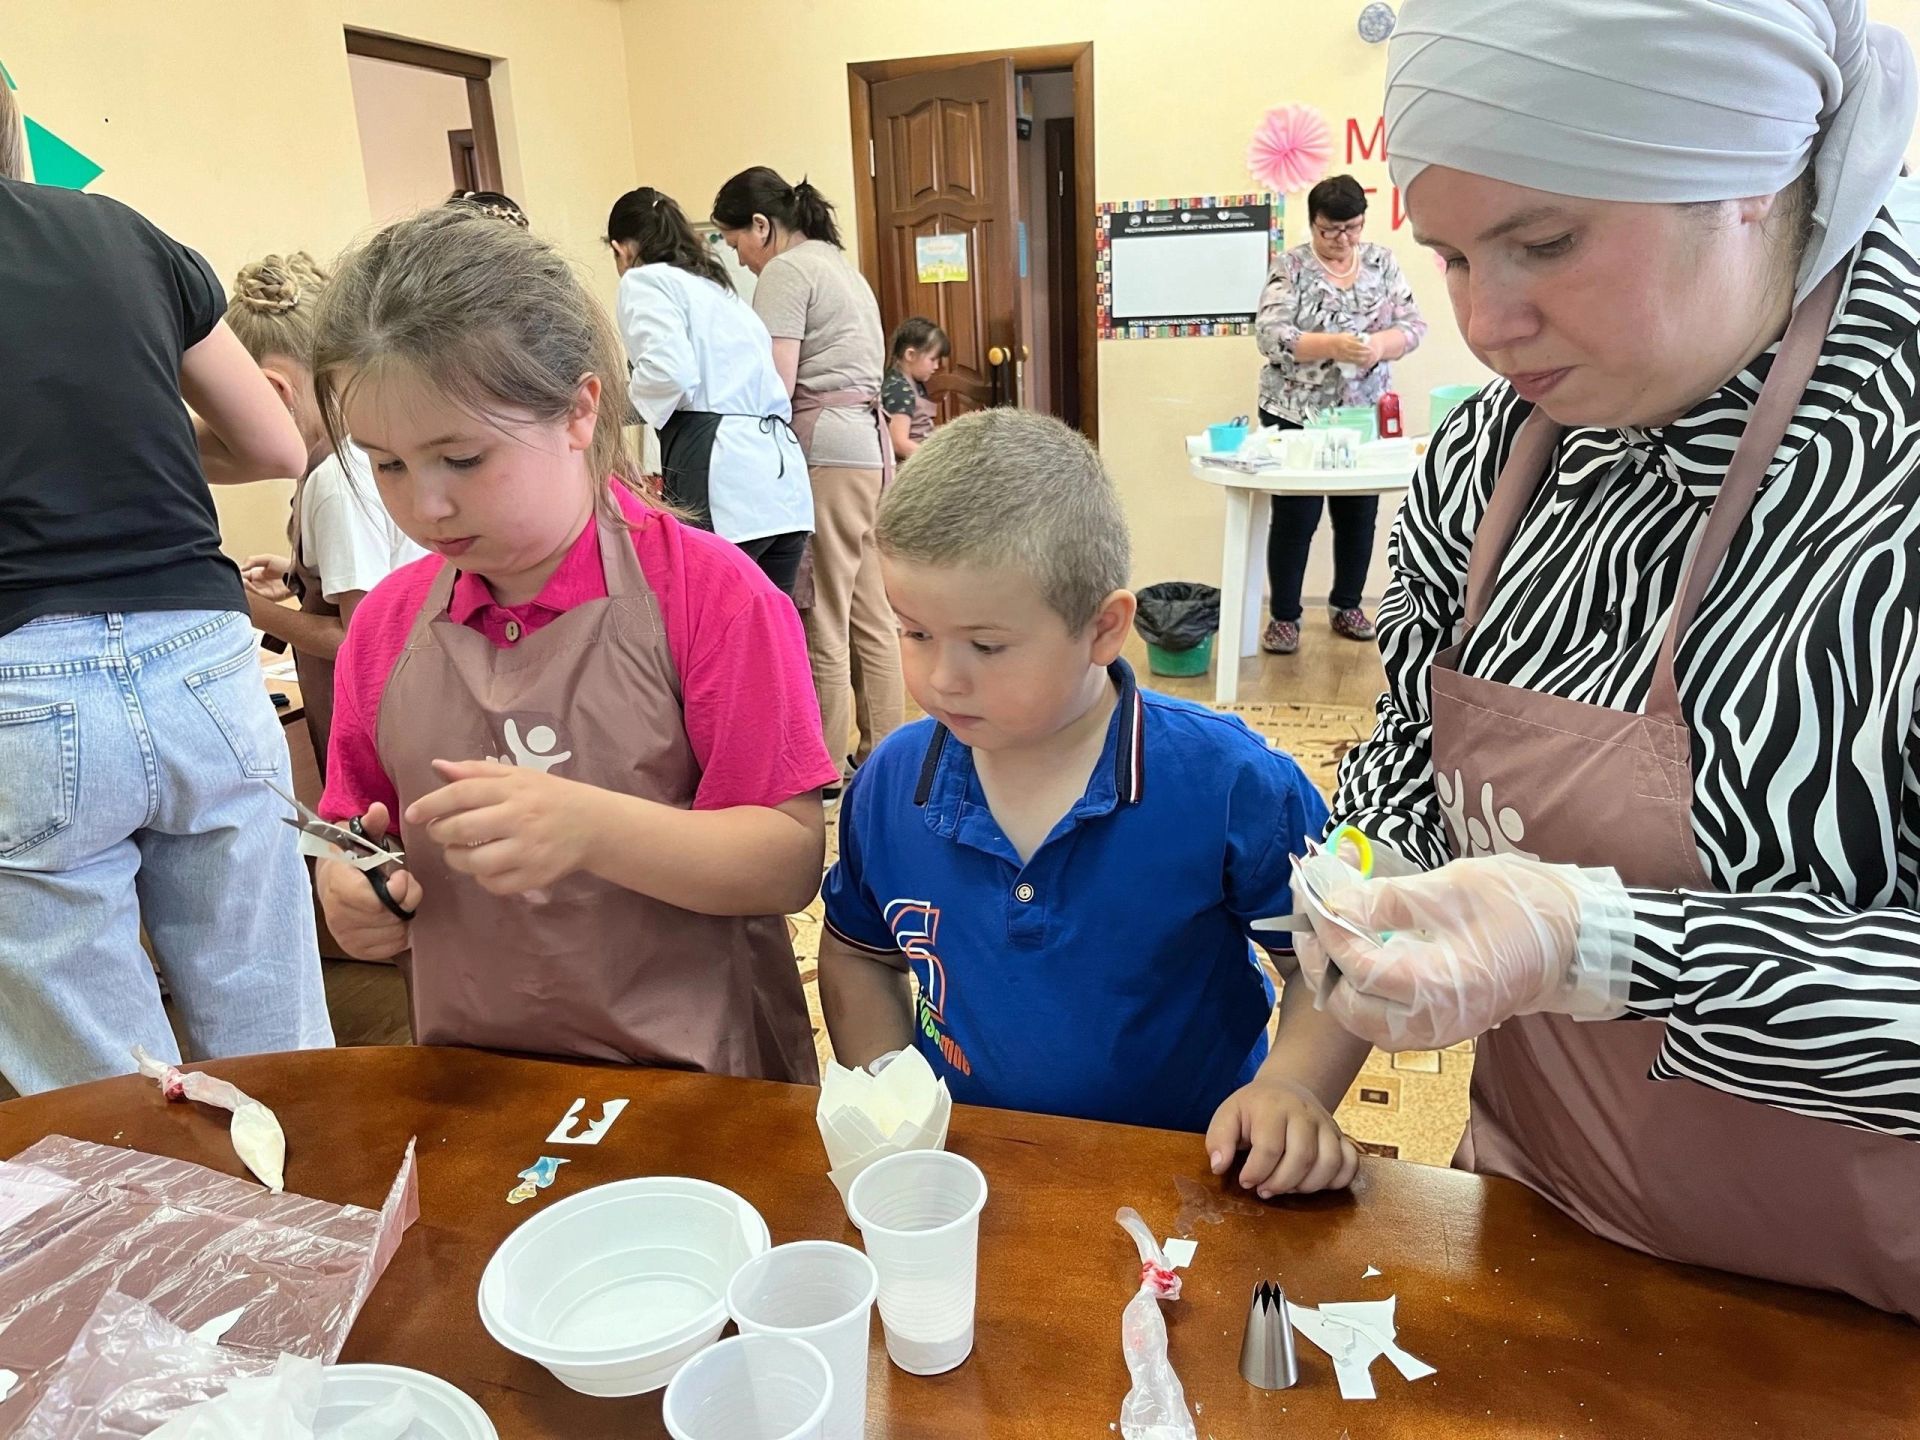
x=564, y=1133
x=535, y=1178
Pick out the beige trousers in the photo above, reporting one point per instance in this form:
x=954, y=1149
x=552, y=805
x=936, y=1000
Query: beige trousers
x=851, y=637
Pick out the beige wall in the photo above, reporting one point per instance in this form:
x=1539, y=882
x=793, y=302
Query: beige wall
x=231, y=124
x=1178, y=92
x=403, y=114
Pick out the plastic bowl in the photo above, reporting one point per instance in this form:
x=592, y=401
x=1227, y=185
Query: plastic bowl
x=443, y=1412
x=615, y=1288
x=1225, y=439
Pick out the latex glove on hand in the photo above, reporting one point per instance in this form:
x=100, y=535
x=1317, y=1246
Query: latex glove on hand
x=1470, y=945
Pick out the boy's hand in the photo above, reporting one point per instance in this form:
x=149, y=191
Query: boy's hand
x=363, y=926
x=1293, y=1144
x=266, y=576
x=514, y=830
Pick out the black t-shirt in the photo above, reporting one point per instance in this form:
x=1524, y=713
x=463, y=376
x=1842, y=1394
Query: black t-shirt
x=103, y=504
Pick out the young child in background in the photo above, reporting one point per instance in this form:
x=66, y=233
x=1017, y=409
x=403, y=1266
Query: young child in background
x=1066, y=864
x=340, y=540
x=593, y=723
x=919, y=346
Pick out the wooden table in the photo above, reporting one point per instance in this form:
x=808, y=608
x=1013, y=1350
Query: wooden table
x=1243, y=548
x=1538, y=1328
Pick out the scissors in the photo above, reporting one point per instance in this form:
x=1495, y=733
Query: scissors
x=347, y=842
x=1301, y=921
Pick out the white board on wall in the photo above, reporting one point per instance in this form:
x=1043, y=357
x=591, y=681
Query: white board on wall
x=1215, y=275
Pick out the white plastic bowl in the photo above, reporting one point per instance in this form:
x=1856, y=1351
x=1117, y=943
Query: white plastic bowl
x=615, y=1288
x=443, y=1411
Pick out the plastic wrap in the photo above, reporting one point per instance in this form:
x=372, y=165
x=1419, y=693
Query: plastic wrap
x=79, y=1221
x=1156, y=1406
x=257, y=1137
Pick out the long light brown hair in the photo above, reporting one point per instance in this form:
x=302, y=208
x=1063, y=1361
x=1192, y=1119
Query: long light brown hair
x=488, y=314
x=13, y=145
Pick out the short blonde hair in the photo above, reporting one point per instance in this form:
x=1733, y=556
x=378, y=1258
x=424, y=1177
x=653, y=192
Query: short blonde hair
x=272, y=306
x=1011, y=488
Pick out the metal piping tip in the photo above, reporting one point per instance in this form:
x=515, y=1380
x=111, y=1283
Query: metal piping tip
x=1267, y=1360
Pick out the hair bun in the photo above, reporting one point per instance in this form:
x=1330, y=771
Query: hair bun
x=277, y=283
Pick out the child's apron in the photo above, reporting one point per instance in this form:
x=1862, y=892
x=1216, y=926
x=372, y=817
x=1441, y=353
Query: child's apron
x=594, y=970
x=315, y=672
x=1669, y=1167
x=924, y=411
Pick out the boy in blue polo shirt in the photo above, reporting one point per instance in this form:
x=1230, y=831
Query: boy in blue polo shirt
x=1066, y=864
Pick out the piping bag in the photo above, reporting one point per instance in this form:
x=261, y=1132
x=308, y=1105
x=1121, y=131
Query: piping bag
x=1156, y=1406
x=257, y=1137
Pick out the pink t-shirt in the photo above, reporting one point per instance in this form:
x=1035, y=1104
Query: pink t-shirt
x=750, y=709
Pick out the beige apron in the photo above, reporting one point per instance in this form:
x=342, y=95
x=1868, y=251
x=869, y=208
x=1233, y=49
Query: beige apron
x=316, y=673
x=807, y=405
x=1668, y=1167
x=594, y=970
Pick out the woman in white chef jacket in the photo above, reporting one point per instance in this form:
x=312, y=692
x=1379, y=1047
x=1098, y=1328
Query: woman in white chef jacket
x=703, y=377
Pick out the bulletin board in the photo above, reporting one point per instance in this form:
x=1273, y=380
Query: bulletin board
x=1192, y=266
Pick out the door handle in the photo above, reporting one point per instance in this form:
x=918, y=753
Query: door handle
x=996, y=356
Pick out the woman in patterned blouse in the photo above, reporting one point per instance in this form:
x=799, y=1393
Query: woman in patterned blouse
x=1645, y=788
x=1334, y=316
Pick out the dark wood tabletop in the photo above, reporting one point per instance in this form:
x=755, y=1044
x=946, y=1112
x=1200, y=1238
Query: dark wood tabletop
x=1537, y=1328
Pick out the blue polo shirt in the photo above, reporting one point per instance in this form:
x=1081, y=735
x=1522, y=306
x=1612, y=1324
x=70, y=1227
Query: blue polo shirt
x=1111, y=977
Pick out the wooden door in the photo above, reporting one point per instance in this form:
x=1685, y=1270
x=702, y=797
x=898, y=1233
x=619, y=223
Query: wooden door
x=1063, y=272
x=944, y=164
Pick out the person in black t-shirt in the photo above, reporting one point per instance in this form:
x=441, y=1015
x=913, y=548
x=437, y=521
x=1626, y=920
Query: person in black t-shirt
x=135, y=731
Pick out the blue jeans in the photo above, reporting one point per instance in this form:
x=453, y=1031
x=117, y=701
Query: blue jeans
x=133, y=754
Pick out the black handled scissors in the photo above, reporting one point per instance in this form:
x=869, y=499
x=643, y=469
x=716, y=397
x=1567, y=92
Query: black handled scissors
x=348, y=842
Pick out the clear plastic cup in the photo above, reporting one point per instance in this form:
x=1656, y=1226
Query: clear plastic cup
x=821, y=1292
x=919, y=1214
x=750, y=1387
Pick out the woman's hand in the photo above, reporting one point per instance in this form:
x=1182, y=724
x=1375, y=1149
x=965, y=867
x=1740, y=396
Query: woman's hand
x=266, y=576
x=1463, y=948
x=1353, y=350
x=515, y=830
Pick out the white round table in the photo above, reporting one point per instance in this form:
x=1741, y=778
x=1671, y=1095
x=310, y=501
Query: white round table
x=1243, y=551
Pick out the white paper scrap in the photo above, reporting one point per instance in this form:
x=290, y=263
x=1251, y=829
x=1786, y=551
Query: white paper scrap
x=215, y=1330
x=1373, y=1319
x=1369, y=1273
x=593, y=1131
x=1179, y=1252
x=1350, y=1352
x=7, y=1381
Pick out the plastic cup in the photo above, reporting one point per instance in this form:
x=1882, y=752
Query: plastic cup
x=820, y=1292
x=919, y=1214
x=751, y=1387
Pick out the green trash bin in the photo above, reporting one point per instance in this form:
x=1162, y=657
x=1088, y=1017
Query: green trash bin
x=1180, y=662
x=1177, y=619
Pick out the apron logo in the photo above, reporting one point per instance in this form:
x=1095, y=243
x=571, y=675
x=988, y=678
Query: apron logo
x=915, y=923
x=1494, y=831
x=536, y=752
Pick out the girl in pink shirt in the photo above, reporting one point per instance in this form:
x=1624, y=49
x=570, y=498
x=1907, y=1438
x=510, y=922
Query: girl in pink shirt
x=595, y=724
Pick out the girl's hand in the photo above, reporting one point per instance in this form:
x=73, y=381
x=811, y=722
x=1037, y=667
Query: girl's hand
x=365, y=928
x=514, y=830
x=266, y=576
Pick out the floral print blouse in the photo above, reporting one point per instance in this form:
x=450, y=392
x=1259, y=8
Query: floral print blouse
x=1300, y=300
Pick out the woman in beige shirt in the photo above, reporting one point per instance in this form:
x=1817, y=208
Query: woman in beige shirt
x=830, y=351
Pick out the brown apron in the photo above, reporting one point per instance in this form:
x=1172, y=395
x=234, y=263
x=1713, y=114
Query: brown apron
x=591, y=969
x=316, y=673
x=1669, y=1167
x=807, y=405
x=924, y=411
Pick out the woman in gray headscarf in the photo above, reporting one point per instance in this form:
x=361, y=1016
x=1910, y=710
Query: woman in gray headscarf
x=1651, y=748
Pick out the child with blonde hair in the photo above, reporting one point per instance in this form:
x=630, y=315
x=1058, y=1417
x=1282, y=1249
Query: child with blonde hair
x=340, y=540
x=594, y=724
x=1049, y=886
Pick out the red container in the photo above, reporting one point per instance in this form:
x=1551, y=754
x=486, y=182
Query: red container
x=1388, y=417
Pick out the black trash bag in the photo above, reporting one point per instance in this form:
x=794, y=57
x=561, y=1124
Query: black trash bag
x=1177, y=614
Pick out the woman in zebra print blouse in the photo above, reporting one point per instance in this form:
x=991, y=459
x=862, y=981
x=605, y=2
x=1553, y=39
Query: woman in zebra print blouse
x=1657, y=766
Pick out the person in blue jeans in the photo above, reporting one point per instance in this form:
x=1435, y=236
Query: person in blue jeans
x=135, y=732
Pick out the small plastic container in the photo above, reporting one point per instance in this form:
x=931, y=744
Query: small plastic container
x=751, y=1387
x=615, y=1288
x=1225, y=439
x=919, y=1214
x=1442, y=402
x=821, y=1292
x=441, y=1411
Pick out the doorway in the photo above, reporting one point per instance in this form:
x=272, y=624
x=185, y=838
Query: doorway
x=975, y=212
x=426, y=122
